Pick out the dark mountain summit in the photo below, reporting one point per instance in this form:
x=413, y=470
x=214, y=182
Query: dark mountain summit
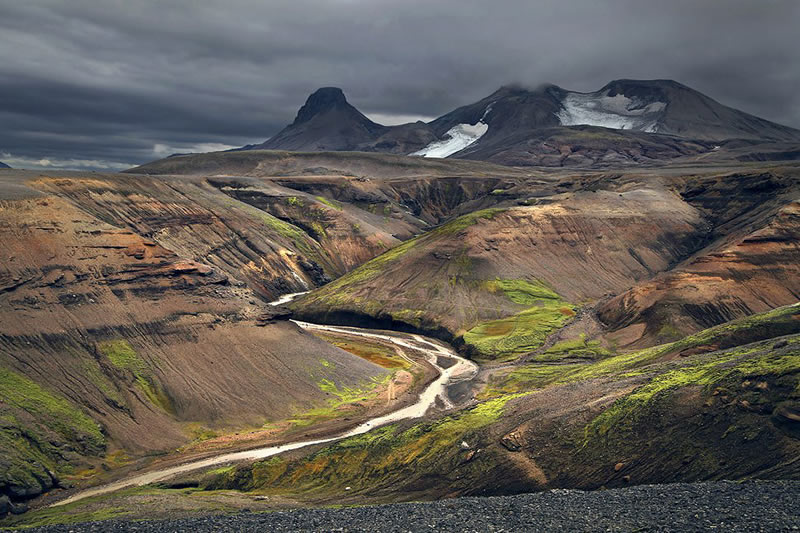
x=691, y=114
x=321, y=101
x=3, y=165
x=326, y=122
x=625, y=122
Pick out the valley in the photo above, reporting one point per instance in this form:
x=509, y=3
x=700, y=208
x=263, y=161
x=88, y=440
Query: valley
x=582, y=291
x=593, y=303
x=364, y=266
x=457, y=370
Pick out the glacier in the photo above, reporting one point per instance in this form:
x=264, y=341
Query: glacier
x=617, y=112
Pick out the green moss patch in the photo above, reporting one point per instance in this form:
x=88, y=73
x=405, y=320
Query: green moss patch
x=343, y=400
x=122, y=356
x=290, y=231
x=51, y=516
x=333, y=204
x=17, y=391
x=349, y=394
x=384, y=455
x=39, y=431
x=578, y=348
x=525, y=331
x=522, y=292
x=463, y=222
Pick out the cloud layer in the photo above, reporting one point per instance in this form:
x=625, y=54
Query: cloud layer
x=108, y=84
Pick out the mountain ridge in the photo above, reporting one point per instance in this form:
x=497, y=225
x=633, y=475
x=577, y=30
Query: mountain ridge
x=515, y=120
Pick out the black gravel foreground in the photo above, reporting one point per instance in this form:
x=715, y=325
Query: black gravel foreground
x=722, y=506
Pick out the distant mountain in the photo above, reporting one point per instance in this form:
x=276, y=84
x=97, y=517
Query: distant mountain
x=327, y=122
x=667, y=107
x=625, y=122
x=3, y=165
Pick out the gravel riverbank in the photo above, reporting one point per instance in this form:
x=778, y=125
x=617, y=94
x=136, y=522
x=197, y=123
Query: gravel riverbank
x=723, y=506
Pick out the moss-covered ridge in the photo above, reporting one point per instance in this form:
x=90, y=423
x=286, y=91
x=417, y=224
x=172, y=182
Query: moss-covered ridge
x=40, y=432
x=374, y=461
x=766, y=359
x=782, y=321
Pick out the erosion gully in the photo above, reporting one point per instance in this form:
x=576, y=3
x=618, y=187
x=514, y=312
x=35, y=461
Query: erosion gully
x=453, y=370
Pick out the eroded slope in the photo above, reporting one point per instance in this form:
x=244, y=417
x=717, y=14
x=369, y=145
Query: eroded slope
x=576, y=246
x=113, y=345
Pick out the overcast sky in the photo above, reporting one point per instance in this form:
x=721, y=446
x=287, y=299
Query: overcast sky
x=113, y=83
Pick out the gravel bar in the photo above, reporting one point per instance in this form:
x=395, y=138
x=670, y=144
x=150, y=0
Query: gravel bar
x=722, y=506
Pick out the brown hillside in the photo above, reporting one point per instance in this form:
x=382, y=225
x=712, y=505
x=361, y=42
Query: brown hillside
x=109, y=339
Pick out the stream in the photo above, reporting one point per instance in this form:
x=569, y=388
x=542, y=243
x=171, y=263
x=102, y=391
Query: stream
x=462, y=370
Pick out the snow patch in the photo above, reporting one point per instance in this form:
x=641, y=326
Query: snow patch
x=456, y=139
x=617, y=112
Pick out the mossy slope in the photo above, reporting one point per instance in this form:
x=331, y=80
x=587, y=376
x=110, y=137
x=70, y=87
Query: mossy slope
x=524, y=331
x=41, y=432
x=378, y=462
x=640, y=417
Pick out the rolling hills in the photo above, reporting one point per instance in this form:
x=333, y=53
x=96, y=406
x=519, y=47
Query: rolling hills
x=680, y=254
x=637, y=317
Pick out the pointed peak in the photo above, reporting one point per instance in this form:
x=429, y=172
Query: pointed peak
x=333, y=94
x=322, y=100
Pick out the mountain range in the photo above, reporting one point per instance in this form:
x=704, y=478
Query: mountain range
x=633, y=324
x=624, y=122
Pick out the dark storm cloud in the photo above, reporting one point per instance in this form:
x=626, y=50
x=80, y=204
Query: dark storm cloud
x=87, y=83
